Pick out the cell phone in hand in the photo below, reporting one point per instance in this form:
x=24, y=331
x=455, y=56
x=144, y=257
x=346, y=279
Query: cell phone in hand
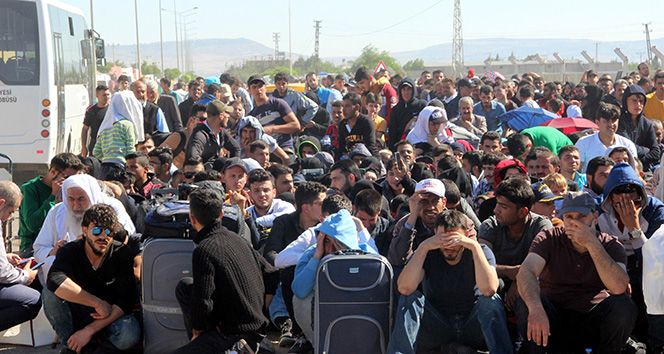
x=398, y=159
x=37, y=266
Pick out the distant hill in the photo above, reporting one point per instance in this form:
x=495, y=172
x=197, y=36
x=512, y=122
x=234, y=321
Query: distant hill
x=214, y=55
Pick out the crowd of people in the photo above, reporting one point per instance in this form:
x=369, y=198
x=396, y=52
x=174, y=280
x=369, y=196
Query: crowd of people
x=505, y=240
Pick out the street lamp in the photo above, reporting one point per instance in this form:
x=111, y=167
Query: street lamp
x=175, y=15
x=161, y=39
x=138, y=43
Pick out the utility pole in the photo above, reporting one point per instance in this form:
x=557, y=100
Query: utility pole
x=457, y=40
x=316, y=43
x=275, y=37
x=648, y=45
x=177, y=47
x=161, y=39
x=290, y=48
x=138, y=42
x=596, y=56
x=92, y=17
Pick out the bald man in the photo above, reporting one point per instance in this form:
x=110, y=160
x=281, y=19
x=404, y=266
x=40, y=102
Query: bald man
x=18, y=302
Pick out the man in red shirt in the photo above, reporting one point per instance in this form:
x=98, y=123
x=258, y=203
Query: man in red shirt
x=382, y=87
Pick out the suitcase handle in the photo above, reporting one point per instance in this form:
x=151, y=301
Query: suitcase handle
x=349, y=252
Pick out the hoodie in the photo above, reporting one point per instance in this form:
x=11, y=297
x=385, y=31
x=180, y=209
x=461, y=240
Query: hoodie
x=651, y=216
x=642, y=133
x=339, y=226
x=308, y=140
x=260, y=135
x=402, y=113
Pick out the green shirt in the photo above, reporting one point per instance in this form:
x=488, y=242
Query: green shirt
x=115, y=143
x=549, y=137
x=37, y=201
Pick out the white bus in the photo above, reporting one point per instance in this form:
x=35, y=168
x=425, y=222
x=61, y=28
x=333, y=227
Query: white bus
x=46, y=81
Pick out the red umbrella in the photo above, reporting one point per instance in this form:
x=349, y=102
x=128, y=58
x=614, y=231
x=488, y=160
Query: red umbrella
x=570, y=125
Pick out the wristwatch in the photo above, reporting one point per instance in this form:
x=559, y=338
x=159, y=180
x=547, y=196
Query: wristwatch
x=635, y=234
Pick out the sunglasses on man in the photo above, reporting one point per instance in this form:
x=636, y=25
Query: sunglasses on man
x=96, y=231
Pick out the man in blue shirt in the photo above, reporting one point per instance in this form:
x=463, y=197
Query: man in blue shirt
x=488, y=108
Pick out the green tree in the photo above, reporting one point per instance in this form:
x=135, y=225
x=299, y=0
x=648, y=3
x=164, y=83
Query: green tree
x=371, y=55
x=188, y=76
x=106, y=68
x=415, y=64
x=150, y=69
x=172, y=73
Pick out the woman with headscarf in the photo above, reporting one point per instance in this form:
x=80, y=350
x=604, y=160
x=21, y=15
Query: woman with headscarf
x=63, y=221
x=119, y=132
x=429, y=130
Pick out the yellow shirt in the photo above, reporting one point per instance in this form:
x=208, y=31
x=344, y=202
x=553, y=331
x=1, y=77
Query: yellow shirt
x=654, y=108
x=381, y=125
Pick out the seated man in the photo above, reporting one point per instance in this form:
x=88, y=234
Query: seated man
x=39, y=196
x=337, y=232
x=653, y=279
x=366, y=207
x=91, y=287
x=266, y=207
x=460, y=284
x=18, y=302
x=248, y=130
x=139, y=165
x=632, y=216
x=511, y=230
x=63, y=222
x=223, y=302
x=573, y=285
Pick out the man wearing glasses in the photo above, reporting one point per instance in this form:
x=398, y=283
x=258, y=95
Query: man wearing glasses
x=39, y=195
x=92, y=288
x=632, y=216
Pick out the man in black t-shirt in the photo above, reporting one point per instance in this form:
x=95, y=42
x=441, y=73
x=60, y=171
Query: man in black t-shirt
x=274, y=114
x=459, y=281
x=91, y=289
x=94, y=115
x=355, y=127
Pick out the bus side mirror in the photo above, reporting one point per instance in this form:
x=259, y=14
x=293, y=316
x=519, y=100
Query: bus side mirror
x=100, y=51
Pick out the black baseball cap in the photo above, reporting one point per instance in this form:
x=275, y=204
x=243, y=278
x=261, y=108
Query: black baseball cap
x=255, y=78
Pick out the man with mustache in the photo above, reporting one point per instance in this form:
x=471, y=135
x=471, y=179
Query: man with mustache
x=92, y=289
x=596, y=175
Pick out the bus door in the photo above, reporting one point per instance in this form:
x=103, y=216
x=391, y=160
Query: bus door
x=60, y=90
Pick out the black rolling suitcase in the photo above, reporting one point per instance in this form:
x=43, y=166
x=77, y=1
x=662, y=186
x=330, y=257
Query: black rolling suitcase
x=353, y=302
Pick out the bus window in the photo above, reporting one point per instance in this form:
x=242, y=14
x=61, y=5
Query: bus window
x=19, y=43
x=71, y=29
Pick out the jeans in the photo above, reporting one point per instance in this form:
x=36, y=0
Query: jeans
x=419, y=326
x=604, y=329
x=124, y=333
x=655, y=334
x=18, y=303
x=278, y=306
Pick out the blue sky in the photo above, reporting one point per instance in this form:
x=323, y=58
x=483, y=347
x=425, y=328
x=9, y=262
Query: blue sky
x=349, y=25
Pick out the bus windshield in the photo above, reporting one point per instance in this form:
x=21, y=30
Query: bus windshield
x=19, y=43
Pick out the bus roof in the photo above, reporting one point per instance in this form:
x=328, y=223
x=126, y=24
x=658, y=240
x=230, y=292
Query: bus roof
x=59, y=4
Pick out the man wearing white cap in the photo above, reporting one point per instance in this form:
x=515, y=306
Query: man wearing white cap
x=427, y=202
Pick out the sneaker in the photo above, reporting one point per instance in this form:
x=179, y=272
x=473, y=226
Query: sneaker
x=301, y=346
x=286, y=339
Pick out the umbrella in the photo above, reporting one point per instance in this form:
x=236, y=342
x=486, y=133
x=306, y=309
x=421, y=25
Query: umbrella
x=526, y=117
x=571, y=125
